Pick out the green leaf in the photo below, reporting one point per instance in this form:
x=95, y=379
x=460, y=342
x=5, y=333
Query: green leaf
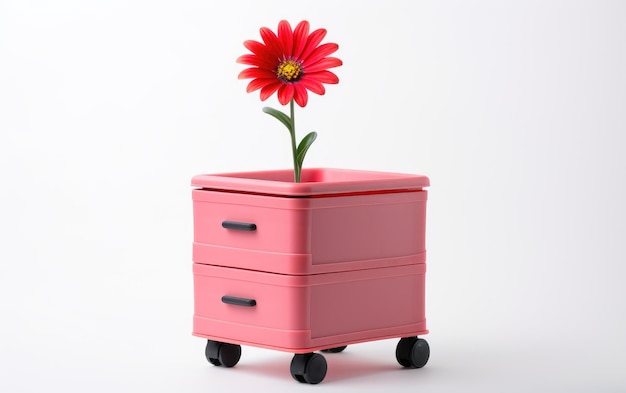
x=283, y=118
x=304, y=145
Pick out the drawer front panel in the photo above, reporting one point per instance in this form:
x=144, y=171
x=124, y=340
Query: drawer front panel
x=220, y=295
x=309, y=235
x=303, y=312
x=226, y=222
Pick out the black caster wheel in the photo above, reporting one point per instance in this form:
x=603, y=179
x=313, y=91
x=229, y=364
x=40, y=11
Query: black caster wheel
x=308, y=368
x=222, y=354
x=335, y=350
x=412, y=352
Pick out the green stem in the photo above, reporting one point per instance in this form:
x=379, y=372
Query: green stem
x=294, y=149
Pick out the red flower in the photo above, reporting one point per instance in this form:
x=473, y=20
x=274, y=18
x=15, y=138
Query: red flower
x=291, y=63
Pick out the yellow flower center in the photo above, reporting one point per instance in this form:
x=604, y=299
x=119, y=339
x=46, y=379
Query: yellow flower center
x=289, y=70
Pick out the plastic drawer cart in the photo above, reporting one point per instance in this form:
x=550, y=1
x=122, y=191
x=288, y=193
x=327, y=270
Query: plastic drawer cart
x=335, y=260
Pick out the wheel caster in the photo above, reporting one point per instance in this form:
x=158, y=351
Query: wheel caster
x=308, y=368
x=335, y=350
x=412, y=352
x=222, y=354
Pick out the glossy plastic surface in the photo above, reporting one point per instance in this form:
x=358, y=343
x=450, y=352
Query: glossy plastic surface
x=315, y=181
x=310, y=235
x=336, y=260
x=301, y=314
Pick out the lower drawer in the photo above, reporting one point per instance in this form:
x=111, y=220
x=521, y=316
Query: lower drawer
x=310, y=312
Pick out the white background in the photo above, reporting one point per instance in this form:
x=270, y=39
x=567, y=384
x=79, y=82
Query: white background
x=515, y=110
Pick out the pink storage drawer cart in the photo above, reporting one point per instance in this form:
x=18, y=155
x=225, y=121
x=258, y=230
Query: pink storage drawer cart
x=335, y=260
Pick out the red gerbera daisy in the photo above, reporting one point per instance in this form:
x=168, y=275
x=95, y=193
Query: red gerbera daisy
x=289, y=63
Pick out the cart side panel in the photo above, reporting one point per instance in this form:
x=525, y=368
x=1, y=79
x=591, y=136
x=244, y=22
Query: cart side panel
x=370, y=227
x=393, y=298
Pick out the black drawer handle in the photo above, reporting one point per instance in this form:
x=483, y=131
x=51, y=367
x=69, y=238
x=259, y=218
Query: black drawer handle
x=238, y=301
x=239, y=226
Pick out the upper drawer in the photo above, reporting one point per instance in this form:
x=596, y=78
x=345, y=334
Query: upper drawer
x=311, y=234
x=250, y=222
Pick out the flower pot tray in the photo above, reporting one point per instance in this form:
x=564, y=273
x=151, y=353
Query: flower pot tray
x=334, y=260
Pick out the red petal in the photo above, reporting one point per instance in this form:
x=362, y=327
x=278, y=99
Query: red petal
x=323, y=77
x=285, y=93
x=300, y=35
x=271, y=41
x=285, y=37
x=300, y=95
x=269, y=89
x=248, y=59
x=255, y=47
x=256, y=73
x=325, y=63
x=320, y=52
x=258, y=61
x=258, y=83
x=312, y=84
x=312, y=42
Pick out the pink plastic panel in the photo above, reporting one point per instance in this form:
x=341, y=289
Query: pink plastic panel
x=315, y=181
x=310, y=235
x=304, y=313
